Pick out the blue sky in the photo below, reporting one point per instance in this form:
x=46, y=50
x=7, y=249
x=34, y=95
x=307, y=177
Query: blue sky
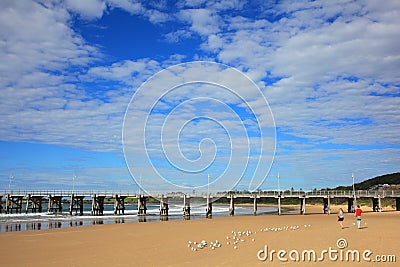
x=70, y=70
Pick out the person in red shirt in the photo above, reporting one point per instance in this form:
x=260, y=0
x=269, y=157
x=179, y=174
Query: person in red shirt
x=358, y=216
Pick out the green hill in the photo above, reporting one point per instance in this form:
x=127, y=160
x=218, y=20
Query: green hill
x=393, y=178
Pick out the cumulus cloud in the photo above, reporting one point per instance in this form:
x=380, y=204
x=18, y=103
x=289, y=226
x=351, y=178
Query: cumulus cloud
x=132, y=7
x=91, y=9
x=329, y=71
x=201, y=21
x=53, y=45
x=327, y=60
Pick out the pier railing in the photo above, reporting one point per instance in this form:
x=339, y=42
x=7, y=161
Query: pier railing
x=273, y=193
x=86, y=193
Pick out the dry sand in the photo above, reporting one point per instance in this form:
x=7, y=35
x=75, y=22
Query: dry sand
x=166, y=243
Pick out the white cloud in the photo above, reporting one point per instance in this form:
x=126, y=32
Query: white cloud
x=177, y=36
x=361, y=48
x=213, y=5
x=202, y=21
x=88, y=9
x=156, y=16
x=124, y=71
x=132, y=7
x=53, y=45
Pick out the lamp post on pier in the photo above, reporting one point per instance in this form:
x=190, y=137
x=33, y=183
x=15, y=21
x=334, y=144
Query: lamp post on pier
x=73, y=183
x=11, y=179
x=279, y=197
x=354, y=193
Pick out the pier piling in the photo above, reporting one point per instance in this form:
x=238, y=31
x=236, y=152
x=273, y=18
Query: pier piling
x=142, y=205
x=55, y=204
x=376, y=204
x=97, y=205
x=119, y=204
x=279, y=205
x=209, y=208
x=163, y=206
x=255, y=204
x=76, y=204
x=303, y=205
x=14, y=203
x=350, y=205
x=186, y=206
x=33, y=203
x=232, y=206
x=327, y=205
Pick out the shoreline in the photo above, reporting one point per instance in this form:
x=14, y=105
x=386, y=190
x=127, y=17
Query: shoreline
x=43, y=221
x=34, y=222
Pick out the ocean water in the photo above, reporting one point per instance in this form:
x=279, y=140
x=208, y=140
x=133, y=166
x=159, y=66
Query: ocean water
x=45, y=220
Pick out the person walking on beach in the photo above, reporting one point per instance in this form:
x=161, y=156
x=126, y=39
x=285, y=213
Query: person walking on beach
x=341, y=217
x=358, y=216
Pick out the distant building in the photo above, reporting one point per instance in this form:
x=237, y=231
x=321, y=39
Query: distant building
x=385, y=186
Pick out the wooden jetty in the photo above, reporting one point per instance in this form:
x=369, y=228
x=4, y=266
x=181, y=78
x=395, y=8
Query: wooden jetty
x=14, y=199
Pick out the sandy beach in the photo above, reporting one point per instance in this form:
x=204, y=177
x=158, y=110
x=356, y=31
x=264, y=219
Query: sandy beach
x=167, y=243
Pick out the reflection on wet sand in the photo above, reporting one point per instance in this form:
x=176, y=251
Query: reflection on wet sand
x=119, y=220
x=98, y=221
x=54, y=225
x=75, y=223
x=12, y=227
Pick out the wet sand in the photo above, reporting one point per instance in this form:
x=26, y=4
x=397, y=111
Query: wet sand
x=167, y=243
